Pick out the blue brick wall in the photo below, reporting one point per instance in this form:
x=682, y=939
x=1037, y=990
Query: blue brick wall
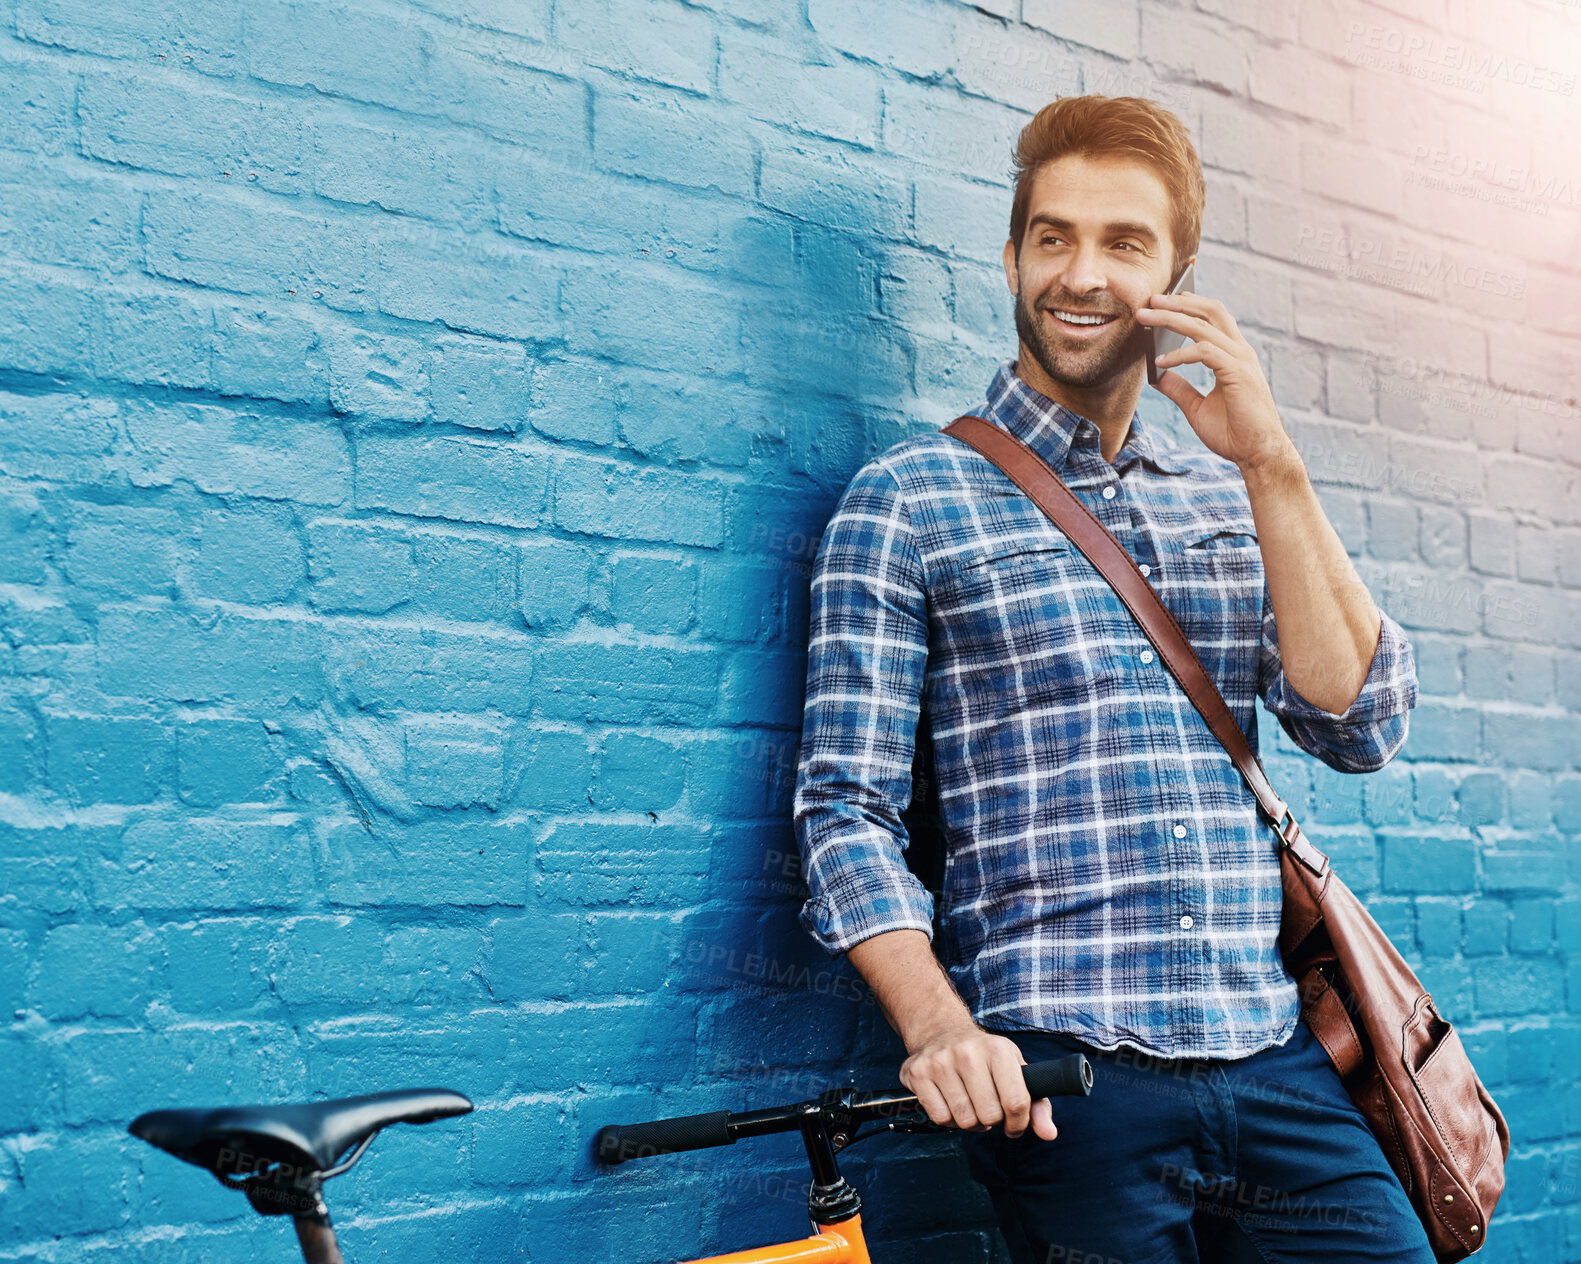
x=417, y=421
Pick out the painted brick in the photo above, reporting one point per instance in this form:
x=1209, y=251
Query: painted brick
x=21, y=754
x=667, y=421
x=663, y=43
x=373, y=568
x=1115, y=31
x=318, y=961
x=429, y=172
x=431, y=965
x=623, y=683
x=1438, y=926
x=553, y=582
x=1481, y=798
x=452, y=763
x=471, y=283
x=864, y=31
x=479, y=383
x=608, y=499
x=122, y=551
x=381, y=376
x=76, y=221
x=962, y=219
x=461, y=479
x=412, y=68
x=57, y=437
x=662, y=139
x=1531, y=929
x=103, y=971
x=1021, y=68
x=835, y=193
x=1487, y=927
x=616, y=864
x=221, y=451
x=188, y=129
x=959, y=135
x=416, y=426
x=1434, y=864
x=652, y=593
x=1195, y=46
x=196, y=863
x=1531, y=800
x=37, y=106
x=380, y=666
x=552, y=769
x=145, y=28
x=178, y=657
x=107, y=759
x=220, y=962
x=837, y=101
x=473, y=862
x=49, y=1167
x=1508, y=986
x=659, y=318
x=239, y=243
x=224, y=760
x=264, y=353
x=1526, y=740
x=253, y=557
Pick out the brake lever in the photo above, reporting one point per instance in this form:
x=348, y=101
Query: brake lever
x=906, y=1123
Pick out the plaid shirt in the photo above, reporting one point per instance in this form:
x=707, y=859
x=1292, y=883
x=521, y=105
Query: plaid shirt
x=1107, y=872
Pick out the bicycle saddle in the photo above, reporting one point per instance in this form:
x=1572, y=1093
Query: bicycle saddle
x=308, y=1136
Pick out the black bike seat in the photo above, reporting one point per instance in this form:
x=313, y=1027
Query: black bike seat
x=310, y=1136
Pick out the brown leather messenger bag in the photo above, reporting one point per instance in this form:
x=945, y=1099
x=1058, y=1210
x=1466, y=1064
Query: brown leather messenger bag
x=1401, y=1062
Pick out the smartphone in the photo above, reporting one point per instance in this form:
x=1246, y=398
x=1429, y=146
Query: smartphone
x=1164, y=340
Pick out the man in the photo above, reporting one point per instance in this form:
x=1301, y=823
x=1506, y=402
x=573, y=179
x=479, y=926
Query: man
x=1109, y=885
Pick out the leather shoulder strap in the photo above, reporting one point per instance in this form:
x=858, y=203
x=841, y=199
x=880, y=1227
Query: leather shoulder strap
x=1033, y=475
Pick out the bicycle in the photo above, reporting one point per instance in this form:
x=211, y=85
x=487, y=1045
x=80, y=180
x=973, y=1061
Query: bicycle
x=280, y=1156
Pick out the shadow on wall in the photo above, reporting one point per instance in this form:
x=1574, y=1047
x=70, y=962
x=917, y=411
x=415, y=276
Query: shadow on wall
x=821, y=389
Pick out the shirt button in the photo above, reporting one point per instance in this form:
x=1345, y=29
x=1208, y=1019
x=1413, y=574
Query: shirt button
x=1147, y=656
x=1180, y=831
x=1145, y=569
x=1108, y=493
x=1186, y=923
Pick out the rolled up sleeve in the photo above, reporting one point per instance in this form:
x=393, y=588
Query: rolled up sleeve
x=866, y=656
x=1369, y=732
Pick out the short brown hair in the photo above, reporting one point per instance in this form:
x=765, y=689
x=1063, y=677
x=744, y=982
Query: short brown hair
x=1097, y=127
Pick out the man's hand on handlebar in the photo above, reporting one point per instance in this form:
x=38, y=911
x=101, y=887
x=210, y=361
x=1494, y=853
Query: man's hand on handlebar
x=965, y=1077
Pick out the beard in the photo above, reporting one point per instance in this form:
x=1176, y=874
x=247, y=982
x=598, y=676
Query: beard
x=1084, y=364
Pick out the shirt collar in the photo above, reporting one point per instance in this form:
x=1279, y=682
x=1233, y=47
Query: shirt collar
x=1051, y=430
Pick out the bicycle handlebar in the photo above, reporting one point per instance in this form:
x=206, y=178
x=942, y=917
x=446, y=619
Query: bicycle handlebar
x=616, y=1143
x=619, y=1142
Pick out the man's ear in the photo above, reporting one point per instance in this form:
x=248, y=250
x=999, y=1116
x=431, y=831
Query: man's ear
x=1012, y=273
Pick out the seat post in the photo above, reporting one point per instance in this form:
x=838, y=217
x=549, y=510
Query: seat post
x=316, y=1236
x=314, y=1232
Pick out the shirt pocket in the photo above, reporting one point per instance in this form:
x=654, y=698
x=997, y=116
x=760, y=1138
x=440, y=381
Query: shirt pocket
x=1218, y=598
x=1013, y=620
x=1008, y=566
x=1221, y=539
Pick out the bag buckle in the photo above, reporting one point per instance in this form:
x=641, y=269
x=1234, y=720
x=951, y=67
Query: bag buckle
x=1295, y=843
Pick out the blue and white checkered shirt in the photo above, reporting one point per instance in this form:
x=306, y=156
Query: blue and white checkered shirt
x=1107, y=872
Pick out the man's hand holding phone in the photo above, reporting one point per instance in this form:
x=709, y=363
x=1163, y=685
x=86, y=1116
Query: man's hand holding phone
x=1238, y=418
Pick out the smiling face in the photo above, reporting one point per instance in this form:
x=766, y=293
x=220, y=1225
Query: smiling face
x=1097, y=246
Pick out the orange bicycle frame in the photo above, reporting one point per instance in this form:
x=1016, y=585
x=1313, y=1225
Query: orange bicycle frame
x=833, y=1244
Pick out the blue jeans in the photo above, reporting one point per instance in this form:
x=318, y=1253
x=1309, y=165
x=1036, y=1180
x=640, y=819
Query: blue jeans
x=1256, y=1159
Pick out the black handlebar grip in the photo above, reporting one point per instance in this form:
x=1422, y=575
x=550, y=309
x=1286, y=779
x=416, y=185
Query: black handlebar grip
x=619, y=1142
x=1059, y=1077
